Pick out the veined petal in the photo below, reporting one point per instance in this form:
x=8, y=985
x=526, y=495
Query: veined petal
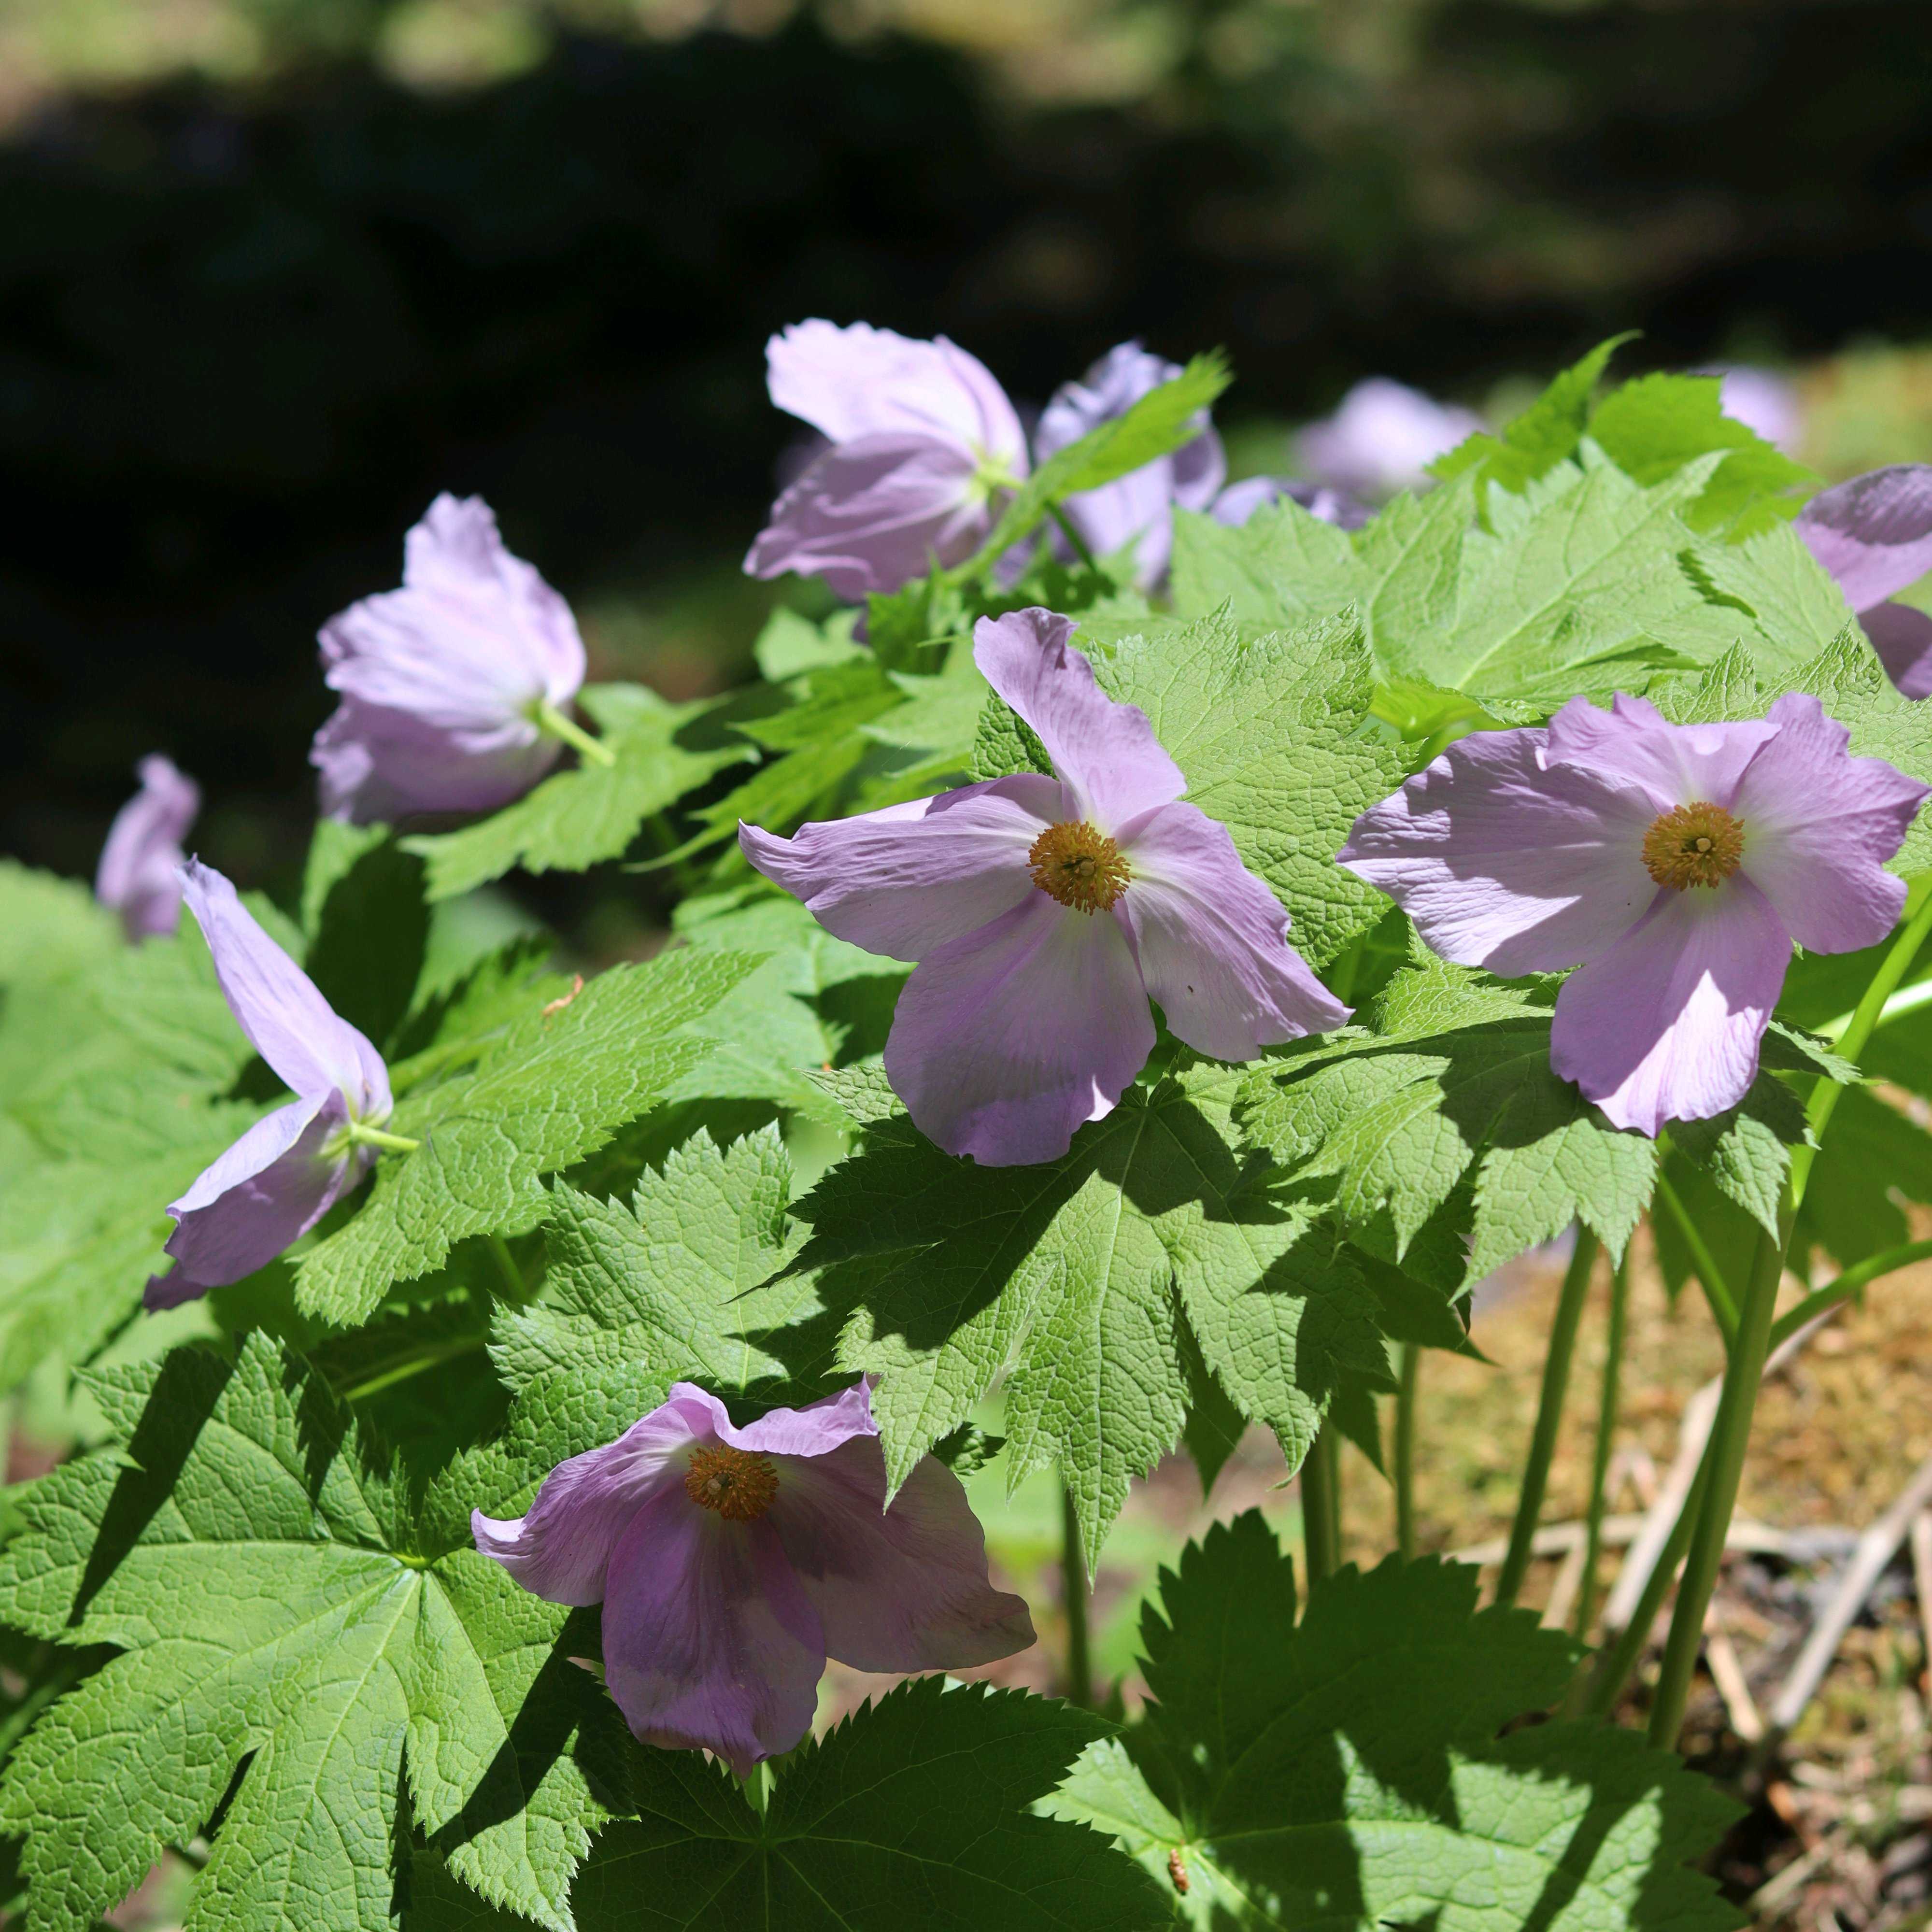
x=276, y=1004
x=1666, y=1025
x=377, y=765
x=898, y=1588
x=875, y=513
x=709, y=1640
x=1819, y=825
x=1504, y=864
x=816, y=1430
x=1006, y=1040
x=902, y=881
x=1106, y=754
x=1873, y=534
x=1212, y=941
x=137, y=875
x=1675, y=764
x=1902, y=636
x=252, y=1201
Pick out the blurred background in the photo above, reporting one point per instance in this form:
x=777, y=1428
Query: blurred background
x=272, y=272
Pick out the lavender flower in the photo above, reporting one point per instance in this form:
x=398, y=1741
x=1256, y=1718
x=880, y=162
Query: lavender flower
x=136, y=876
x=1240, y=501
x=1045, y=913
x=731, y=1562
x=287, y=1170
x=1675, y=862
x=1874, y=535
x=1763, y=403
x=455, y=689
x=1137, y=509
x=923, y=440
x=1383, y=438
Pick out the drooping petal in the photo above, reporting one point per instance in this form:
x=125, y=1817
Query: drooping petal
x=875, y=513
x=1106, y=754
x=1819, y=825
x=1873, y=534
x=1212, y=941
x=276, y=1004
x=560, y=1548
x=709, y=1640
x=911, y=877
x=1239, y=502
x=1675, y=764
x=377, y=765
x=1006, y=1040
x=861, y=381
x=1504, y=864
x=1665, y=1026
x=898, y=1588
x=136, y=876
x=1902, y=636
x=1383, y=438
x=256, y=1199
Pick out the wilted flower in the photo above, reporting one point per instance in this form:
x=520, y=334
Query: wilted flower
x=1874, y=535
x=1045, y=913
x=923, y=440
x=1674, y=864
x=456, y=688
x=136, y=876
x=1383, y=438
x=732, y=1562
x=1240, y=501
x=1138, y=508
x=287, y=1170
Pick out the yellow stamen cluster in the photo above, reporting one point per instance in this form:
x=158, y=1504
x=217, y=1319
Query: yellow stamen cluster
x=1696, y=844
x=736, y=1483
x=1079, y=865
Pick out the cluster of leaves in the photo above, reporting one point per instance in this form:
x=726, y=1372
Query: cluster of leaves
x=256, y=1591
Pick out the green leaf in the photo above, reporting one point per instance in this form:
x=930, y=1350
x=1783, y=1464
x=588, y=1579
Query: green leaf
x=790, y=643
x=1349, y=1772
x=552, y=1088
x=1545, y=434
x=1455, y=1080
x=1874, y=1159
x=1078, y=1275
x=369, y=936
x=269, y=1594
x=1771, y=577
x=1281, y=568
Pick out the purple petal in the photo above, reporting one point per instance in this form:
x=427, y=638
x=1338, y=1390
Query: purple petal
x=1212, y=941
x=1674, y=764
x=710, y=1642
x=561, y=1547
x=1763, y=403
x=1873, y=534
x=861, y=381
x=257, y=1198
x=1006, y=1041
x=875, y=513
x=1106, y=753
x=136, y=876
x=902, y=881
x=1666, y=1025
x=276, y=1004
x=1383, y=438
x=816, y=1430
x=1240, y=501
x=1902, y=637
x=1505, y=864
x=898, y=1588
x=439, y=678
x=1819, y=825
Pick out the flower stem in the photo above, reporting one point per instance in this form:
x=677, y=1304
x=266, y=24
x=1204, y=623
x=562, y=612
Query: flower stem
x=1848, y=1282
x=1321, y=1506
x=378, y=1137
x=1717, y=1290
x=1607, y=1401
x=1730, y=1434
x=1404, y=1450
x=1073, y=1590
x=401, y=1369
x=1072, y=535
x=593, y=751
x=513, y=1275
x=1549, y=1415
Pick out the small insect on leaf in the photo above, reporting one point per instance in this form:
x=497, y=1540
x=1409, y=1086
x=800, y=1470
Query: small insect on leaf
x=557, y=1005
x=1177, y=1869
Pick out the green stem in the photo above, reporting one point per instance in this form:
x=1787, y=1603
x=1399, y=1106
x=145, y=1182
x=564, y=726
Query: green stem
x=1730, y=1435
x=1405, y=1450
x=1846, y=1283
x=506, y=1262
x=400, y=1369
x=593, y=751
x=377, y=1137
x=1549, y=1415
x=1073, y=1589
x=1071, y=535
x=1711, y=1277
x=1322, y=1507
x=1607, y=1402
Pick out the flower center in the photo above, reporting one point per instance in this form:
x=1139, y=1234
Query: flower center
x=1697, y=844
x=1079, y=865
x=733, y=1482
